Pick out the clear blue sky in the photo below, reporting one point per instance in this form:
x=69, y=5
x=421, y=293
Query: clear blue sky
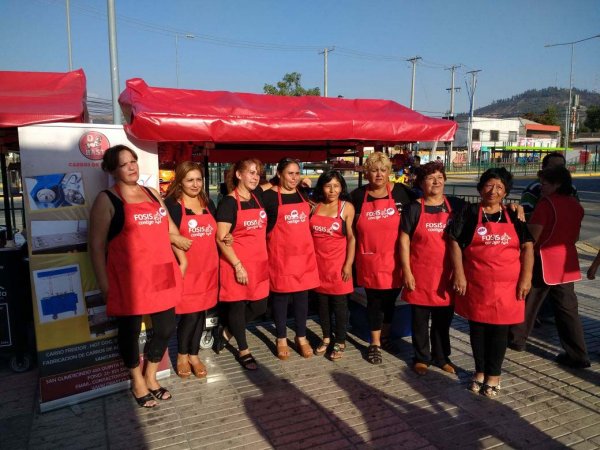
x=241, y=45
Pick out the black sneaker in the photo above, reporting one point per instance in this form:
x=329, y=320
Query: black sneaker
x=566, y=360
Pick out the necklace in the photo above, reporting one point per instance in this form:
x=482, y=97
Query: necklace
x=244, y=198
x=486, y=217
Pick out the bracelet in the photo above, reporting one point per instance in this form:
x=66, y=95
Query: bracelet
x=237, y=264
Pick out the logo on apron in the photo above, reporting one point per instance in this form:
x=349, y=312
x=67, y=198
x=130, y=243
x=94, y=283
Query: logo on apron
x=293, y=217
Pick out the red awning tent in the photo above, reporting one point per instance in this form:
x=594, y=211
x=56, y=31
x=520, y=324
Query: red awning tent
x=226, y=126
x=28, y=98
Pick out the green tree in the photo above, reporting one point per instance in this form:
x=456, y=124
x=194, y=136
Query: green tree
x=548, y=117
x=592, y=120
x=290, y=86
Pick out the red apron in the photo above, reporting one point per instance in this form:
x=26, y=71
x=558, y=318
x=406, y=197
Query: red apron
x=560, y=262
x=429, y=261
x=200, y=283
x=249, y=244
x=143, y=275
x=292, y=262
x=492, y=266
x=330, y=251
x=378, y=252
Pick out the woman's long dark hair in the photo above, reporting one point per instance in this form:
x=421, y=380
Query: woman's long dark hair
x=325, y=178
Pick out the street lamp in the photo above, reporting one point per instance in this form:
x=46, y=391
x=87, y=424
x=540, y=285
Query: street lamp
x=568, y=121
x=187, y=36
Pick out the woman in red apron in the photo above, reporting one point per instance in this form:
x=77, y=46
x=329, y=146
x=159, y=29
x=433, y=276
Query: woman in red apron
x=244, y=268
x=492, y=256
x=333, y=237
x=427, y=270
x=135, y=268
x=377, y=228
x=292, y=263
x=193, y=213
x=555, y=225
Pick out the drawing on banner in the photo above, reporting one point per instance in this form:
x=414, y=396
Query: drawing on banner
x=59, y=293
x=58, y=236
x=56, y=190
x=100, y=324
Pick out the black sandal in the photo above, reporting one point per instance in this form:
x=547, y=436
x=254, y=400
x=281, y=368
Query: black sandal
x=337, y=352
x=490, y=391
x=246, y=362
x=160, y=393
x=374, y=354
x=144, y=399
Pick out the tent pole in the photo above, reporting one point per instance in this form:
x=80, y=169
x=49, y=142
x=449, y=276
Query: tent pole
x=5, y=193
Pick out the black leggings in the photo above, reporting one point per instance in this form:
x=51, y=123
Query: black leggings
x=280, y=307
x=339, y=305
x=189, y=332
x=163, y=326
x=488, y=343
x=380, y=306
x=239, y=314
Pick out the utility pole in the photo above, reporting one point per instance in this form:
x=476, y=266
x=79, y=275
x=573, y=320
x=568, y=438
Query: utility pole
x=325, y=52
x=452, y=89
x=412, y=85
x=68, y=8
x=114, y=62
x=568, y=119
x=471, y=108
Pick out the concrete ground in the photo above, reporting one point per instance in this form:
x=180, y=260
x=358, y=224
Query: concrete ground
x=349, y=404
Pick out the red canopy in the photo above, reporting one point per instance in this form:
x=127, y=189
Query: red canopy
x=27, y=98
x=239, y=122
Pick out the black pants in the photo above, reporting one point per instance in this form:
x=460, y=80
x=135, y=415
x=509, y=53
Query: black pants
x=488, y=343
x=163, y=326
x=189, y=332
x=239, y=314
x=338, y=304
x=568, y=323
x=438, y=334
x=380, y=306
x=280, y=306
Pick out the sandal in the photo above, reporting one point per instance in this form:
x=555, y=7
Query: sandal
x=337, y=352
x=321, y=349
x=160, y=393
x=283, y=351
x=374, y=354
x=475, y=386
x=490, y=391
x=144, y=400
x=184, y=369
x=199, y=369
x=248, y=362
x=304, y=349
x=220, y=340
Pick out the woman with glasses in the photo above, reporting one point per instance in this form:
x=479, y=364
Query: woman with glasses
x=292, y=263
x=378, y=207
x=193, y=213
x=492, y=257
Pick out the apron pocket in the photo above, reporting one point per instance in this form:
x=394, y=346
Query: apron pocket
x=163, y=276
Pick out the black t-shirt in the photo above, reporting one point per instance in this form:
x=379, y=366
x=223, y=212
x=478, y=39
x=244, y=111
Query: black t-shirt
x=118, y=220
x=462, y=228
x=271, y=204
x=174, y=209
x=227, y=210
x=412, y=212
x=401, y=194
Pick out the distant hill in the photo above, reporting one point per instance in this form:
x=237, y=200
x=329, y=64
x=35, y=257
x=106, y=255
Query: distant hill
x=536, y=101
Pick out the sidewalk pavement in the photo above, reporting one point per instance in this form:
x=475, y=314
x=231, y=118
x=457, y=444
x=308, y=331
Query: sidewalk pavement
x=349, y=404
